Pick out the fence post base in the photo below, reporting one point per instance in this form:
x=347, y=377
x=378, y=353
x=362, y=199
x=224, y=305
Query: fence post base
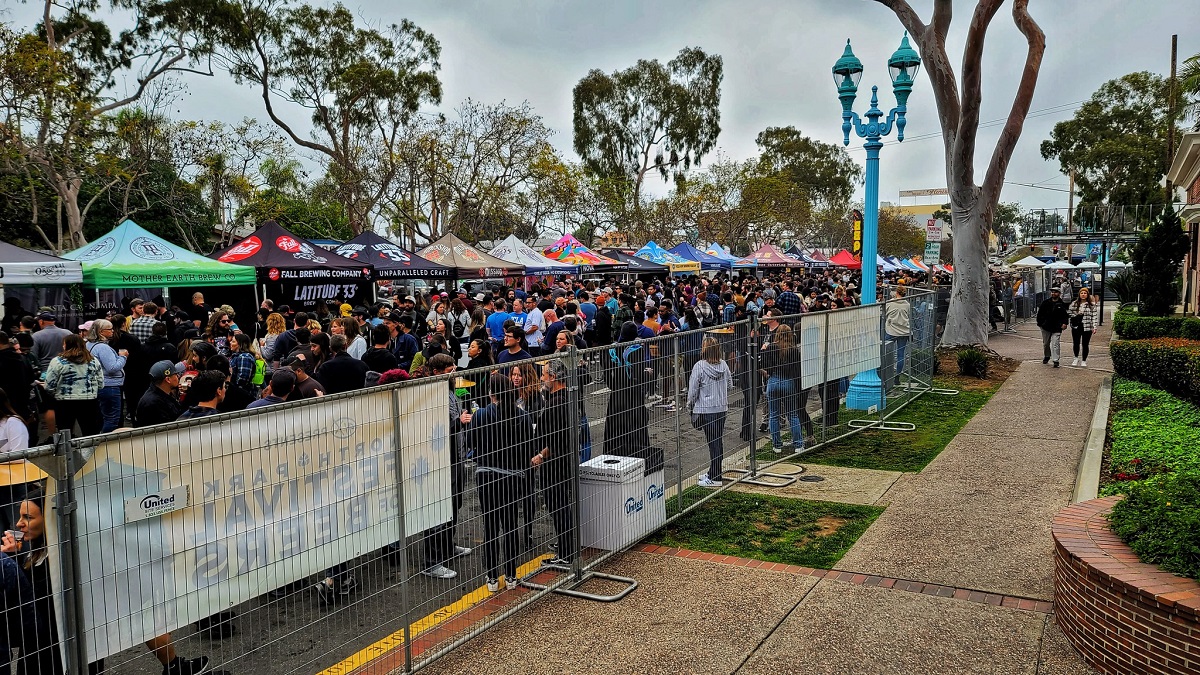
x=756, y=478
x=630, y=584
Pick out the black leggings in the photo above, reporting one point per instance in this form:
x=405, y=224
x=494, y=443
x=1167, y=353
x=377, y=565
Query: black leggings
x=1077, y=335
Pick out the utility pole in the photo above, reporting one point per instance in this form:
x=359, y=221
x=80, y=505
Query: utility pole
x=1171, y=116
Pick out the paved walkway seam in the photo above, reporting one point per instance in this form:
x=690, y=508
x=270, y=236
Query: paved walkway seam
x=861, y=579
x=1087, y=480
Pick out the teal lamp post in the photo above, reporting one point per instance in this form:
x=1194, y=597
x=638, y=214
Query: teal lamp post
x=866, y=390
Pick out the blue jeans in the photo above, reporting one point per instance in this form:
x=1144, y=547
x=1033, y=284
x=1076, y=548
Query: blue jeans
x=781, y=402
x=901, y=347
x=110, y=408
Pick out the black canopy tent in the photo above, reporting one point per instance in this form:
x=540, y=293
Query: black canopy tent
x=390, y=261
x=297, y=272
x=636, y=266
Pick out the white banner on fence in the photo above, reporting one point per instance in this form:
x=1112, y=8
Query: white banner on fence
x=275, y=497
x=850, y=346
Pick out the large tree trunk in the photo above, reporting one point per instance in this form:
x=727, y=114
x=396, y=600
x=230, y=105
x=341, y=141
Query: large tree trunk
x=967, y=318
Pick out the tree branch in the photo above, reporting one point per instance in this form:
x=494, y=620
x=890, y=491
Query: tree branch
x=943, y=11
x=1011, y=133
x=265, y=81
x=963, y=152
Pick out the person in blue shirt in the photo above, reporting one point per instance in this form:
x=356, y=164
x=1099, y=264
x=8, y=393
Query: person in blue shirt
x=514, y=346
x=495, y=325
x=518, y=313
x=406, y=345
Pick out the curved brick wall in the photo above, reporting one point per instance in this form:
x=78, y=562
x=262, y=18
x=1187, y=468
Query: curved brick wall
x=1123, y=616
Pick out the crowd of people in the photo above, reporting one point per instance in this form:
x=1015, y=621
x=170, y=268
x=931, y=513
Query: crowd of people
x=152, y=364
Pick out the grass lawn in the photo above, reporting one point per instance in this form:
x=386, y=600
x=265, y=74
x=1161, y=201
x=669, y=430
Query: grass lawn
x=937, y=418
x=775, y=529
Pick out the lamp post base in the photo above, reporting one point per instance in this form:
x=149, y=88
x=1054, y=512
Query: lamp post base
x=866, y=392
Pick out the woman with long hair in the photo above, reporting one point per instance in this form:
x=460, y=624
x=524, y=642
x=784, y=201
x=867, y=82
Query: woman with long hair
x=112, y=361
x=40, y=650
x=15, y=475
x=479, y=355
x=438, y=312
x=503, y=439
x=708, y=397
x=242, y=363
x=478, y=328
x=275, y=327
x=529, y=388
x=781, y=366
x=442, y=327
x=1085, y=317
x=459, y=321
x=627, y=373
x=319, y=345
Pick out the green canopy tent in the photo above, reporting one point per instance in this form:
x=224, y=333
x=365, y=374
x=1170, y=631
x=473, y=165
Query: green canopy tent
x=131, y=257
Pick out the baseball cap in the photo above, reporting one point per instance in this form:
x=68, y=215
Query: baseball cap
x=344, y=309
x=479, y=297
x=411, y=299
x=282, y=378
x=445, y=294
x=359, y=310
x=86, y=325
x=1055, y=290
x=162, y=369
x=46, y=316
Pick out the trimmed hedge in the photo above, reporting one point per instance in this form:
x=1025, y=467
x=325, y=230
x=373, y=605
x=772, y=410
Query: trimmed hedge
x=1129, y=325
x=1170, y=364
x=1160, y=520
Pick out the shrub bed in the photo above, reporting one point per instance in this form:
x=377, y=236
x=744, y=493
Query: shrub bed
x=1155, y=461
x=1170, y=364
x=1130, y=325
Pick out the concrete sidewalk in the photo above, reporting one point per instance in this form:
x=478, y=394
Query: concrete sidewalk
x=954, y=577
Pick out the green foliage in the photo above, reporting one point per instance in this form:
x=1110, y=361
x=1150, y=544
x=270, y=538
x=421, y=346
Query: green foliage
x=1124, y=285
x=649, y=117
x=1157, y=257
x=1115, y=142
x=1152, y=432
x=937, y=418
x=972, y=363
x=1170, y=364
x=1130, y=325
x=775, y=529
x=1160, y=520
x=822, y=170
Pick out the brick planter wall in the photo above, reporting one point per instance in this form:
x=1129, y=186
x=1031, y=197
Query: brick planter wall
x=1123, y=616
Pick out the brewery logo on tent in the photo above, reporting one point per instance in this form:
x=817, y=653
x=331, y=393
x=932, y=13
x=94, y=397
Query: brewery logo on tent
x=273, y=274
x=350, y=251
x=51, y=271
x=246, y=248
x=436, y=253
x=468, y=253
x=99, y=249
x=391, y=252
x=149, y=249
x=298, y=249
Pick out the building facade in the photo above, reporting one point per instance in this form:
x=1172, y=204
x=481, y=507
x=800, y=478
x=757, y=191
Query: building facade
x=1185, y=173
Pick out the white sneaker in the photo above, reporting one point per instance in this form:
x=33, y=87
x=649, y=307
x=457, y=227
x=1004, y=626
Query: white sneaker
x=440, y=572
x=493, y=585
x=1076, y=361
x=707, y=482
x=653, y=398
x=511, y=583
x=670, y=407
x=777, y=450
x=1084, y=364
x=461, y=551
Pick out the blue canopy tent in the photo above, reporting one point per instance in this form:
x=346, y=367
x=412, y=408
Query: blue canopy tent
x=678, y=265
x=718, y=251
x=707, y=262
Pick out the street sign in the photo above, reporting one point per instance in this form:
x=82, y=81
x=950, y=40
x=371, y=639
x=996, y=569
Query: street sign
x=933, y=230
x=933, y=252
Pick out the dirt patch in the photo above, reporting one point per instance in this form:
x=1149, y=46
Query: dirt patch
x=999, y=370
x=762, y=527
x=829, y=525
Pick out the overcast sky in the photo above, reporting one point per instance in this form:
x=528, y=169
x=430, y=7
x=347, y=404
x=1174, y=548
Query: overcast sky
x=777, y=56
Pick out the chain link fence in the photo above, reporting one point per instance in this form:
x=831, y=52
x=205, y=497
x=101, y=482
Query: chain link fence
x=373, y=531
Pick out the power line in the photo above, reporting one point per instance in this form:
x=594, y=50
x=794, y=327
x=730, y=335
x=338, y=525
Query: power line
x=1035, y=185
x=1041, y=112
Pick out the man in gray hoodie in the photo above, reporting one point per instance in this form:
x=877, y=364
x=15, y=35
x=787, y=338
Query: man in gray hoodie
x=708, y=399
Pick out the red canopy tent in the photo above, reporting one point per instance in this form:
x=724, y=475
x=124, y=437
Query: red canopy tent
x=843, y=259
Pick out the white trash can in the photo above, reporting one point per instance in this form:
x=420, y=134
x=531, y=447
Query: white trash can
x=618, y=503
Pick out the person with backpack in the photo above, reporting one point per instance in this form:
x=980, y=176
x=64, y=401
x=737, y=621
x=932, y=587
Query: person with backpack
x=627, y=372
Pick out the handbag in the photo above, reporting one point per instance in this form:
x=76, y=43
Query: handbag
x=1077, y=321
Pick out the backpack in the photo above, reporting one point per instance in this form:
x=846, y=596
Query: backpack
x=456, y=326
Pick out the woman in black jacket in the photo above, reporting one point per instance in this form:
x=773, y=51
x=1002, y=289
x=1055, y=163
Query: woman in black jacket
x=780, y=363
x=503, y=438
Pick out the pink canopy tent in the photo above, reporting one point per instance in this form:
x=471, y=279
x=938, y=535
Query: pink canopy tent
x=768, y=256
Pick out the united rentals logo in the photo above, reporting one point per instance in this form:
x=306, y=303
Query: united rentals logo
x=157, y=504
